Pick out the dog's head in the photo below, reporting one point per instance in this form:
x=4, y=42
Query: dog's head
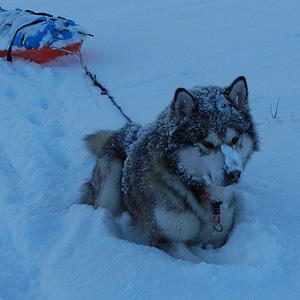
x=212, y=135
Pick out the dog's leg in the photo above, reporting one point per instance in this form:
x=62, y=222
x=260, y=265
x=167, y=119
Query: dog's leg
x=109, y=196
x=104, y=189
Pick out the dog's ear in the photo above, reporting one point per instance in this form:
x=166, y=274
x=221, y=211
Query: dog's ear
x=237, y=93
x=182, y=105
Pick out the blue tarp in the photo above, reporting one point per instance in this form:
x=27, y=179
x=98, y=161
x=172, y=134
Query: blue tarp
x=30, y=30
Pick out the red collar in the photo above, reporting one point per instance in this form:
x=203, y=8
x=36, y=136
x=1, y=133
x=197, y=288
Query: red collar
x=216, y=212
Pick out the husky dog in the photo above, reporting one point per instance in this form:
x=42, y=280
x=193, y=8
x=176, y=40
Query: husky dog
x=176, y=176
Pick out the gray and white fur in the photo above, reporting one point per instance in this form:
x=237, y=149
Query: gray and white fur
x=198, y=146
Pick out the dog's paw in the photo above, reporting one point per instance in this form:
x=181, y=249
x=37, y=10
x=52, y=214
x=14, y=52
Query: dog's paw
x=181, y=251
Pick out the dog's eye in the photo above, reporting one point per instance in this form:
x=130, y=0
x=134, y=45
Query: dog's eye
x=208, y=145
x=235, y=140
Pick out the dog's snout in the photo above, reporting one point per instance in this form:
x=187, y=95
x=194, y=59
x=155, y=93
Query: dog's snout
x=234, y=176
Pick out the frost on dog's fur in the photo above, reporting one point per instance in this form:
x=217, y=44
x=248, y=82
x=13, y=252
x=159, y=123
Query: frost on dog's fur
x=199, y=145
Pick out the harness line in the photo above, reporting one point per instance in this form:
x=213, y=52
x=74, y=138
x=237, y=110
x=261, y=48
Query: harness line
x=96, y=83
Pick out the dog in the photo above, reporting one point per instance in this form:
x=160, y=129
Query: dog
x=177, y=176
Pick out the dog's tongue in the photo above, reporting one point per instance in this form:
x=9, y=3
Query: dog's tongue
x=232, y=160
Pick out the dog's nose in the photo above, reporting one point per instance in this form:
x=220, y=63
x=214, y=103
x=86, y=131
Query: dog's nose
x=234, y=176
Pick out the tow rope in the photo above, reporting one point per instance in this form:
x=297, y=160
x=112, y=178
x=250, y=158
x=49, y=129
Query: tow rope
x=96, y=83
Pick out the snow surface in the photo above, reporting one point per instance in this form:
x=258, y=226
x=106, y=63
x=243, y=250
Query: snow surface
x=53, y=248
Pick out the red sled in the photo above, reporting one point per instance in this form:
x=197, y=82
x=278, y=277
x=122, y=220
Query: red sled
x=45, y=54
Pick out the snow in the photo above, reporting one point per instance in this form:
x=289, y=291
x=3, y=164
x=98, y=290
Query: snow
x=232, y=159
x=51, y=247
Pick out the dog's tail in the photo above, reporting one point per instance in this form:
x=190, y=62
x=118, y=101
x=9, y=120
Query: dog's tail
x=96, y=141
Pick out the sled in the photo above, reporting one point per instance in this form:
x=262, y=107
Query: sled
x=39, y=37
x=45, y=54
